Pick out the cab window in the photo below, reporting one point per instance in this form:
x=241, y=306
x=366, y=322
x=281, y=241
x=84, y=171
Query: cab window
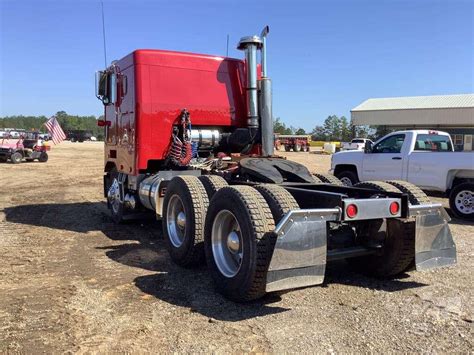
x=392, y=144
x=433, y=143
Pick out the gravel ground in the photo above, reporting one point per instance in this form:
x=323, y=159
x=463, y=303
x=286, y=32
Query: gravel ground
x=72, y=281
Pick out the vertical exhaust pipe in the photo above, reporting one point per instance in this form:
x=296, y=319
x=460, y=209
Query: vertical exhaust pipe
x=250, y=45
x=265, y=101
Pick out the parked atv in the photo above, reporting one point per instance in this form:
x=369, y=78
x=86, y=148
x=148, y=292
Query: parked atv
x=28, y=147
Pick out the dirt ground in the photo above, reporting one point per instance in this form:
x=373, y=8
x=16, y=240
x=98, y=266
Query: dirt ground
x=72, y=281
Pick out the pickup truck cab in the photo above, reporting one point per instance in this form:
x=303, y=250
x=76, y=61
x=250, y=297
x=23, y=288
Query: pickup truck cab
x=424, y=158
x=356, y=144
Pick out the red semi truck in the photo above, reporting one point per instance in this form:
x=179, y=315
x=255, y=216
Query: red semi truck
x=190, y=137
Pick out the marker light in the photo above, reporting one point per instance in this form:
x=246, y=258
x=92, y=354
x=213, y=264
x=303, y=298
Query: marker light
x=351, y=211
x=394, y=208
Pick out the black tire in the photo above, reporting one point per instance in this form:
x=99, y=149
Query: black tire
x=317, y=180
x=278, y=199
x=16, y=158
x=397, y=255
x=212, y=184
x=194, y=201
x=415, y=195
x=256, y=224
x=43, y=158
x=287, y=148
x=307, y=148
x=398, y=252
x=329, y=179
x=378, y=185
x=297, y=148
x=456, y=196
x=3, y=159
x=346, y=176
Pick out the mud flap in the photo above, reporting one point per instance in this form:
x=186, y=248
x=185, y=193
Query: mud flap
x=299, y=257
x=434, y=245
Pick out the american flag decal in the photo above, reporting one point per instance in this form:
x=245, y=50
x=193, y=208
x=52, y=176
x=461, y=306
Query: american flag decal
x=57, y=133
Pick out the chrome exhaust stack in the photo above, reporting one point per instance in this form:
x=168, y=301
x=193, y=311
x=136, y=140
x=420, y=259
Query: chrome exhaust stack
x=258, y=92
x=250, y=45
x=265, y=101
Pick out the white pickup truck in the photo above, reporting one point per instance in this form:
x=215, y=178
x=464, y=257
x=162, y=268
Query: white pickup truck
x=424, y=158
x=355, y=144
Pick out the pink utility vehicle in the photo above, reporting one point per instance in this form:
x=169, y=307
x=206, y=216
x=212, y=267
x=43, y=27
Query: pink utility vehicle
x=28, y=147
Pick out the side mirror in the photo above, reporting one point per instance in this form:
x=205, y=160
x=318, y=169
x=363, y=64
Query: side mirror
x=106, y=87
x=368, y=147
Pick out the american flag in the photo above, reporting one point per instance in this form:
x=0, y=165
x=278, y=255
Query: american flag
x=57, y=133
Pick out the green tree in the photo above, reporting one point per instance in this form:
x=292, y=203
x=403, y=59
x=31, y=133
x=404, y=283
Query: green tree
x=300, y=131
x=346, y=132
x=280, y=127
x=332, y=127
x=318, y=134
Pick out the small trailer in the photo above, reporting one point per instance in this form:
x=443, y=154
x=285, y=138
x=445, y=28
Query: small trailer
x=292, y=142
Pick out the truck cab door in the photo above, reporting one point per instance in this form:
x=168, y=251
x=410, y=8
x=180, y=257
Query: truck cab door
x=385, y=161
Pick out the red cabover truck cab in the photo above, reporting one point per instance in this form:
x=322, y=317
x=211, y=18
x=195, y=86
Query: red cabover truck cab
x=154, y=86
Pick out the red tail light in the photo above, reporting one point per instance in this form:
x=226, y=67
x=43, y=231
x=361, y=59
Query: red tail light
x=102, y=123
x=351, y=211
x=394, y=207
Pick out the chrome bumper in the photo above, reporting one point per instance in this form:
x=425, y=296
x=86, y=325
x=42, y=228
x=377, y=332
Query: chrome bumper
x=300, y=255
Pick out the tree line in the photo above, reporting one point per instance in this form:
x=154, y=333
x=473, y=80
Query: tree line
x=67, y=122
x=334, y=128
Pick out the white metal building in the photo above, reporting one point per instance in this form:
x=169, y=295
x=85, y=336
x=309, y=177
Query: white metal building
x=450, y=113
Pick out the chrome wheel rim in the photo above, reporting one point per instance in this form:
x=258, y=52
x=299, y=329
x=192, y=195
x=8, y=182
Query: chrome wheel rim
x=464, y=202
x=346, y=181
x=113, y=196
x=227, y=246
x=176, y=221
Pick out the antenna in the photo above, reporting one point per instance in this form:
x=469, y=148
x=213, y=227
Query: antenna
x=227, y=50
x=103, y=35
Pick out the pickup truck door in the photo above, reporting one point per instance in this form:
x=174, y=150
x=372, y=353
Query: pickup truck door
x=385, y=162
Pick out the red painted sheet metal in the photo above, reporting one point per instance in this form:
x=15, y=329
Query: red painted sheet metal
x=210, y=87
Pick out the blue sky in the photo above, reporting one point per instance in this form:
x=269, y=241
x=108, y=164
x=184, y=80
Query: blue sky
x=325, y=57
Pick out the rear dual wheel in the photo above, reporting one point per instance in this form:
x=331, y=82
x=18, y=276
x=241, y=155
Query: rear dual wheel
x=239, y=238
x=398, y=253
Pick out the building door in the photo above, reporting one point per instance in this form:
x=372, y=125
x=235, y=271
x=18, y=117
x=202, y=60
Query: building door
x=468, y=142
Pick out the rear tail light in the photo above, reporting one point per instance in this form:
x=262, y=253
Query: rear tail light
x=394, y=208
x=351, y=211
x=103, y=123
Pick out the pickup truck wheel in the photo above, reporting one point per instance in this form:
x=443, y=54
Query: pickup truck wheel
x=415, y=195
x=238, y=242
x=212, y=184
x=16, y=158
x=278, y=199
x=329, y=179
x=287, y=148
x=184, y=212
x=461, y=200
x=348, y=178
x=297, y=148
